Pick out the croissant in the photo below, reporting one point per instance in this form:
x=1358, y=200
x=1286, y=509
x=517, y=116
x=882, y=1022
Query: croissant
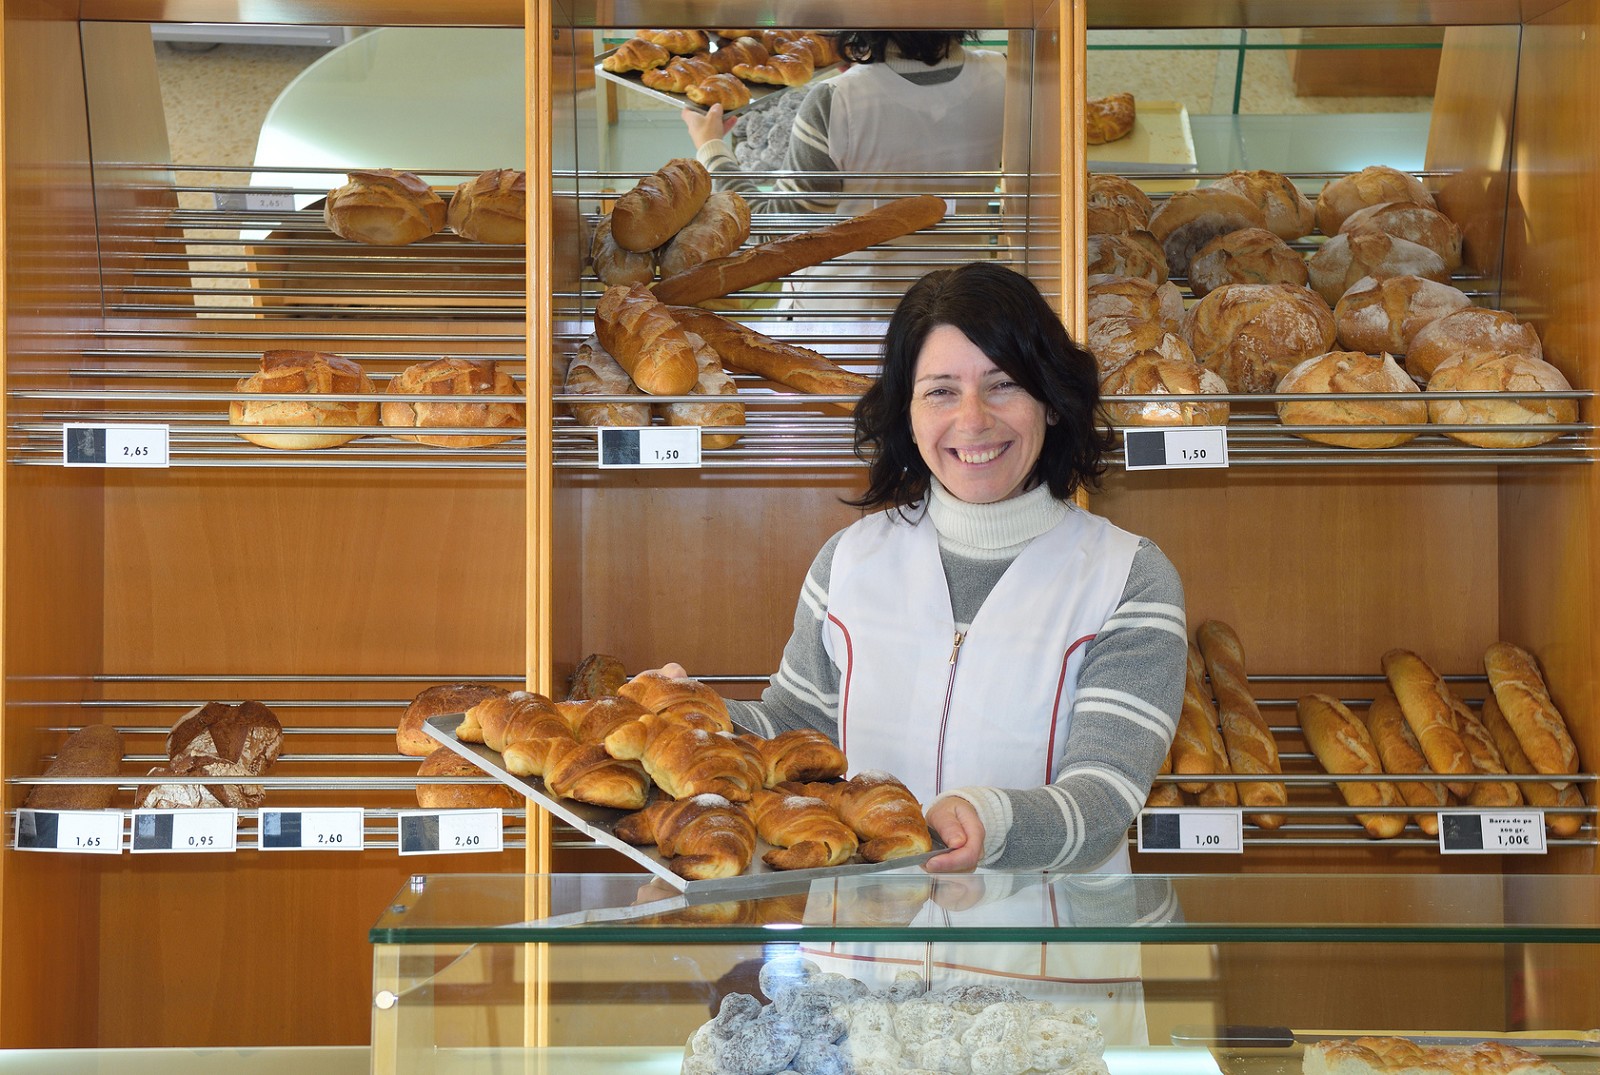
x=781, y=69
x=680, y=74
x=701, y=838
x=585, y=772
x=636, y=54
x=724, y=90
x=688, y=756
x=535, y=755
x=804, y=832
x=744, y=50
x=799, y=755
x=676, y=697
x=682, y=42
x=882, y=812
x=499, y=721
x=591, y=720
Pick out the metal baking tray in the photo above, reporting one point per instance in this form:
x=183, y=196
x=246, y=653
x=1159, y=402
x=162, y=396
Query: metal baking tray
x=760, y=93
x=599, y=824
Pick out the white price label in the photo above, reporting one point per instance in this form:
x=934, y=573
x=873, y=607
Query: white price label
x=1491, y=832
x=649, y=446
x=189, y=831
x=450, y=832
x=84, y=832
x=255, y=201
x=1191, y=831
x=331, y=828
x=121, y=445
x=1177, y=448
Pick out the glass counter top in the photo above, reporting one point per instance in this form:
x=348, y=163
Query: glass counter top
x=1002, y=907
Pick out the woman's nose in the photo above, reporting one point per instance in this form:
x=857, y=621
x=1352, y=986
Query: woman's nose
x=974, y=412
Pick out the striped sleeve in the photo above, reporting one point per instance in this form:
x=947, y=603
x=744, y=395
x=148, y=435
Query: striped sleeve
x=808, y=152
x=1124, y=712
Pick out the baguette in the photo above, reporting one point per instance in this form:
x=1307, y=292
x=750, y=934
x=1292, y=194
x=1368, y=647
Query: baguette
x=1486, y=761
x=1161, y=792
x=1425, y=703
x=1197, y=746
x=1524, y=700
x=614, y=265
x=718, y=229
x=768, y=261
x=789, y=364
x=1537, y=792
x=593, y=372
x=1342, y=746
x=1399, y=753
x=646, y=341
x=659, y=205
x=717, y=410
x=1248, y=738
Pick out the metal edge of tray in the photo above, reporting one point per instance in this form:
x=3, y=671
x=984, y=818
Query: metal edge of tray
x=760, y=93
x=599, y=824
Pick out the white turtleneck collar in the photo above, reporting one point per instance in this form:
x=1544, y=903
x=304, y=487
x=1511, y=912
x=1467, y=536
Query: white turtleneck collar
x=992, y=531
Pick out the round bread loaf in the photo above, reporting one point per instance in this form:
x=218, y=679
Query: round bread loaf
x=1420, y=224
x=1351, y=371
x=458, y=378
x=1116, y=205
x=1153, y=374
x=1350, y=255
x=383, y=207
x=1131, y=296
x=1508, y=373
x=1374, y=185
x=1385, y=314
x=1189, y=219
x=1109, y=118
x=492, y=207
x=446, y=762
x=1471, y=330
x=309, y=373
x=1134, y=253
x=247, y=734
x=1116, y=340
x=1288, y=213
x=1246, y=256
x=1252, y=334
x=438, y=701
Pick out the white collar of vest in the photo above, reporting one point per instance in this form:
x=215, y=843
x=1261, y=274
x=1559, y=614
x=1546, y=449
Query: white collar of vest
x=992, y=531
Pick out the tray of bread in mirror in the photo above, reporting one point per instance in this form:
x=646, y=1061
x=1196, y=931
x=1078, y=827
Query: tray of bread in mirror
x=738, y=69
x=659, y=772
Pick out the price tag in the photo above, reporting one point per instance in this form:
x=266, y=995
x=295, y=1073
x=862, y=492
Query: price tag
x=255, y=201
x=191, y=831
x=649, y=446
x=449, y=832
x=1192, y=831
x=332, y=828
x=1178, y=448
x=121, y=445
x=86, y=832
x=1491, y=832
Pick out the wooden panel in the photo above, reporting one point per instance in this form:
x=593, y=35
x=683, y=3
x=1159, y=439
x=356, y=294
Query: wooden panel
x=1319, y=71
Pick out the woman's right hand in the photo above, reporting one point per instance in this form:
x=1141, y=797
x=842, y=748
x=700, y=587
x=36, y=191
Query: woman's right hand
x=707, y=126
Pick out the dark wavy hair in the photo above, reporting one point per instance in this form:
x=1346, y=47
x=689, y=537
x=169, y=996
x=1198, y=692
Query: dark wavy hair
x=872, y=46
x=1006, y=318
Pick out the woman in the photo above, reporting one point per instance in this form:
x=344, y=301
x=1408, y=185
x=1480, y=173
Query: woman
x=1016, y=661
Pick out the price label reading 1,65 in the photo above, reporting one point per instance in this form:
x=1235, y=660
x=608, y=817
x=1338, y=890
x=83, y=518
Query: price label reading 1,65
x=81, y=832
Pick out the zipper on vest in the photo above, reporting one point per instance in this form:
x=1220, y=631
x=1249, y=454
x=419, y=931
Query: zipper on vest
x=944, y=717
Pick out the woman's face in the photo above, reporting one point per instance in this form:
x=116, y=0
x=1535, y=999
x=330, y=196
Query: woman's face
x=979, y=431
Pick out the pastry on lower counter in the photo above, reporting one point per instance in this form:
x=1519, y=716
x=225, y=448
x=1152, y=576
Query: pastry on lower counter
x=306, y=374
x=1394, y=1055
x=1107, y=119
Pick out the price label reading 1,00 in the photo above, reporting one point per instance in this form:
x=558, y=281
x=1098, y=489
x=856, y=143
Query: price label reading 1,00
x=1207, y=839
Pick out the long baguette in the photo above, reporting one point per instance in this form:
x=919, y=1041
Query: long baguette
x=1486, y=761
x=789, y=364
x=1525, y=702
x=769, y=261
x=1197, y=746
x=646, y=341
x=1342, y=745
x=1425, y=703
x=1251, y=749
x=1538, y=793
x=1399, y=753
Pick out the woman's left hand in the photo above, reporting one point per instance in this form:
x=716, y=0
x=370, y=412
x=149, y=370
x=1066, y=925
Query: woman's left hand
x=957, y=824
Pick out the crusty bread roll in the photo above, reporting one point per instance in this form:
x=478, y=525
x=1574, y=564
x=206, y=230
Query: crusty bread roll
x=1470, y=330
x=310, y=373
x=1116, y=205
x=640, y=333
x=1288, y=213
x=593, y=372
x=1107, y=119
x=788, y=364
x=718, y=410
x=1486, y=761
x=660, y=204
x=1425, y=703
x=1116, y=341
x=1189, y=219
x=1512, y=374
x=1251, y=748
x=93, y=750
x=383, y=207
x=1134, y=253
x=1135, y=297
x=1351, y=371
x=718, y=229
x=1537, y=792
x=729, y=91
x=1246, y=256
x=1153, y=374
x=1421, y=224
x=1525, y=700
x=1343, y=746
x=437, y=701
x=1398, y=751
x=635, y=54
x=1385, y=313
x=446, y=762
x=492, y=207
x=614, y=266
x=456, y=381
x=1374, y=185
x=1252, y=334
x=1351, y=255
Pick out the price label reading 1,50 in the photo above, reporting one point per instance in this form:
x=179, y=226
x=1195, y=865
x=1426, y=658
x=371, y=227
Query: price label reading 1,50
x=652, y=447
x=1178, y=448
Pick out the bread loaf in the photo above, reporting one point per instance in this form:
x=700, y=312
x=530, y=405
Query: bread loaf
x=1486, y=761
x=1116, y=341
x=1189, y=219
x=1197, y=746
x=1343, y=260
x=1288, y=213
x=614, y=266
x=383, y=207
x=1374, y=185
x=718, y=229
x=1134, y=253
x=178, y=786
x=1246, y=256
x=660, y=204
x=93, y=750
x=1469, y=331
x=1399, y=753
x=593, y=372
x=1155, y=374
x=788, y=364
x=1353, y=372
x=718, y=410
x=1136, y=298
x=1251, y=748
x=597, y=676
x=247, y=734
x=701, y=838
x=1420, y=224
x=492, y=207
x=768, y=261
x=1384, y=314
x=1524, y=699
x=1107, y=119
x=1116, y=205
x=310, y=373
x=640, y=333
x=1513, y=374
x=455, y=380
x=1425, y=703
x=446, y=762
x=1252, y=334
x=1546, y=796
x=1343, y=747
x=437, y=701
x=805, y=833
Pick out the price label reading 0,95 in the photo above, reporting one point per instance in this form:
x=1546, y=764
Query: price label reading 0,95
x=1491, y=832
x=121, y=445
x=82, y=832
x=1179, y=448
x=1217, y=832
x=449, y=832
x=185, y=831
x=649, y=446
x=328, y=828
